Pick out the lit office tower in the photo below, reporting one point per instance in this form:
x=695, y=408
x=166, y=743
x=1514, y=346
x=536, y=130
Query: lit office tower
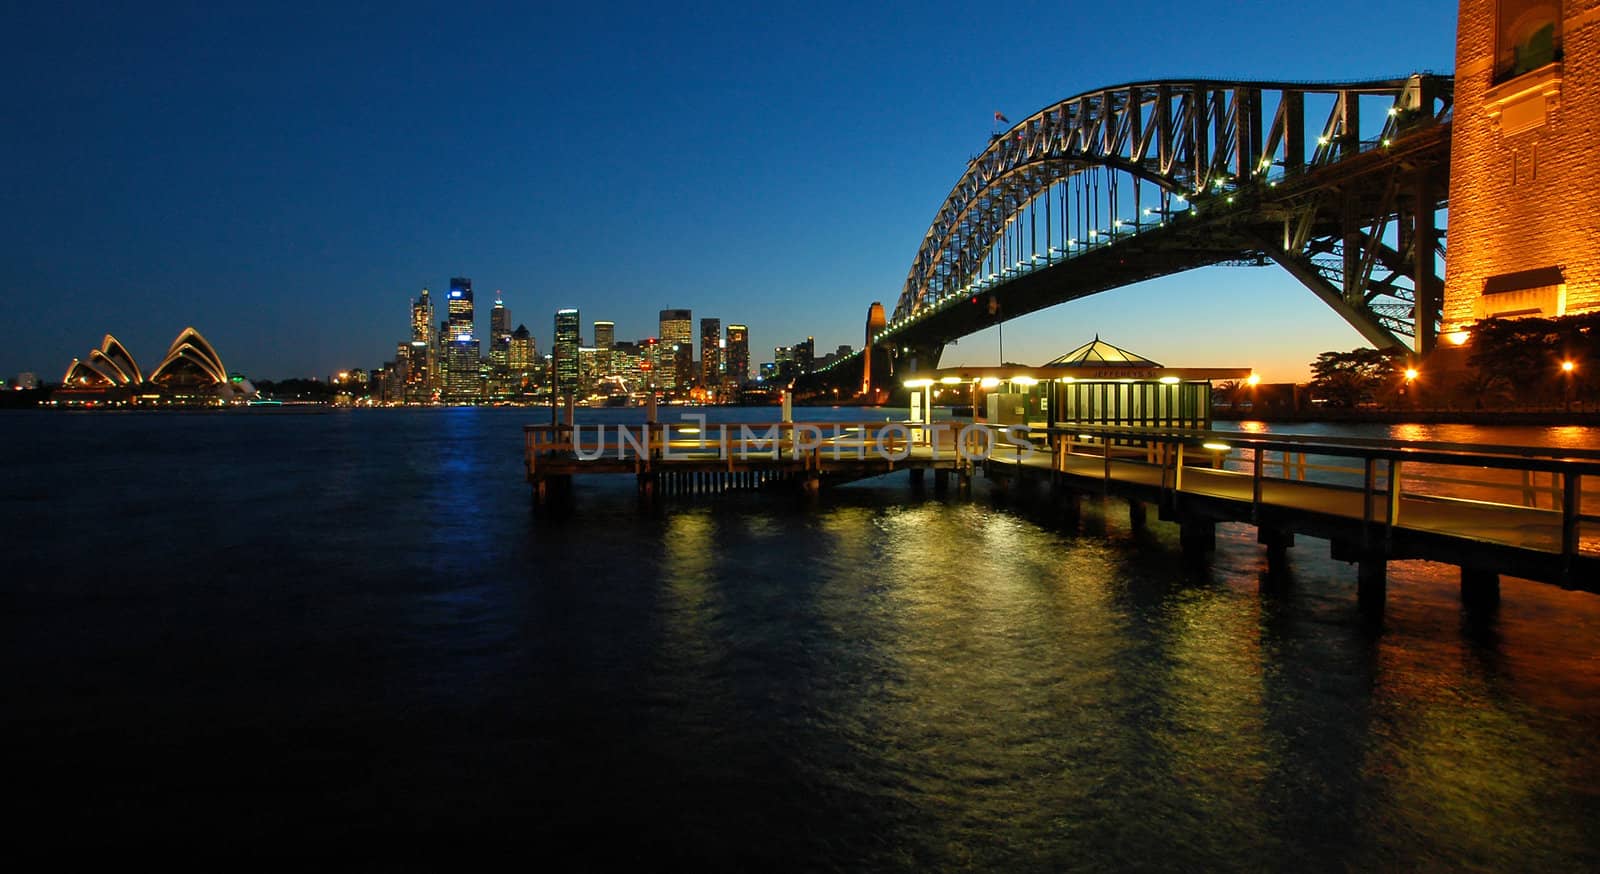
x=499, y=327
x=463, y=382
x=460, y=308
x=677, y=335
x=522, y=360
x=711, y=353
x=566, y=351
x=738, y=354
x=419, y=372
x=499, y=347
x=422, y=318
x=422, y=375
x=605, y=335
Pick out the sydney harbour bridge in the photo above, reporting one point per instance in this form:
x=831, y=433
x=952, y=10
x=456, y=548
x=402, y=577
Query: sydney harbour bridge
x=1340, y=184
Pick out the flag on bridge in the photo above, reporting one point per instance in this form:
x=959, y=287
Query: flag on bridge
x=1001, y=118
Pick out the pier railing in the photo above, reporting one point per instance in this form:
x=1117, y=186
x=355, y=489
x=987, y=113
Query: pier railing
x=649, y=445
x=1449, y=487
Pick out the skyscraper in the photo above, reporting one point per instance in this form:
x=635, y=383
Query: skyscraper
x=422, y=371
x=422, y=318
x=462, y=378
x=522, y=360
x=499, y=347
x=738, y=354
x=419, y=371
x=677, y=335
x=460, y=308
x=711, y=353
x=605, y=335
x=566, y=351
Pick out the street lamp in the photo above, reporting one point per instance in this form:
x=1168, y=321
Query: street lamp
x=1567, y=367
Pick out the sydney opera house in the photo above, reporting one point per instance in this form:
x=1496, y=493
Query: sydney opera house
x=191, y=374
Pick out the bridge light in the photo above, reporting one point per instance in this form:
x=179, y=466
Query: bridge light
x=1322, y=141
x=1568, y=367
x=1024, y=380
x=1394, y=110
x=1216, y=447
x=1169, y=380
x=1386, y=142
x=1411, y=374
x=950, y=380
x=989, y=382
x=918, y=383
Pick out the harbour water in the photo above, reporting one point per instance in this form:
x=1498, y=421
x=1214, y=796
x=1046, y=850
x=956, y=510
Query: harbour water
x=278, y=630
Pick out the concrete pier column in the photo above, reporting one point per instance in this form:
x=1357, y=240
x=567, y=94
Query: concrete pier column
x=941, y=482
x=1137, y=514
x=1197, y=537
x=1071, y=504
x=917, y=477
x=1277, y=543
x=1372, y=584
x=1479, y=588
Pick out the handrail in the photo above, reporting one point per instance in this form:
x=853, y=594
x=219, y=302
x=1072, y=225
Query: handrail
x=1586, y=462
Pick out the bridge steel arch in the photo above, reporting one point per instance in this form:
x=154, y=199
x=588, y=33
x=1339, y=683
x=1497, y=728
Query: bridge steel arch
x=1211, y=171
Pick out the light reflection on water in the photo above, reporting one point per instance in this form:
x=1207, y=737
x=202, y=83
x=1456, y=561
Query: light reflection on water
x=360, y=613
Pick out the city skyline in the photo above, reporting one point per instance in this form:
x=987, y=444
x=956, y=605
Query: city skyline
x=733, y=186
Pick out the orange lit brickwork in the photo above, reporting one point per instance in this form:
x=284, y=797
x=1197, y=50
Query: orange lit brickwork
x=1524, y=234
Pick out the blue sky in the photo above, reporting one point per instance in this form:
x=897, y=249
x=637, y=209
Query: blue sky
x=285, y=179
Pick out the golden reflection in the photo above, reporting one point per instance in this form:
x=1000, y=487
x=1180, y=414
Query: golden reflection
x=1253, y=427
x=689, y=601
x=1215, y=731
x=1464, y=743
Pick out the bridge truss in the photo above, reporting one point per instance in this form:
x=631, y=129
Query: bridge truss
x=1340, y=184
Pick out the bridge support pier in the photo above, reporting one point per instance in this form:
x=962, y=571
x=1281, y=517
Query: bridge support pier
x=941, y=482
x=1138, y=514
x=964, y=482
x=1479, y=588
x=917, y=477
x=811, y=484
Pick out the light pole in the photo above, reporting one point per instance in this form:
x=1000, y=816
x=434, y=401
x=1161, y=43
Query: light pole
x=1567, y=368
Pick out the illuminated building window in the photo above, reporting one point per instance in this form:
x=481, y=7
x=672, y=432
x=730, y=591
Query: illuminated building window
x=1527, y=37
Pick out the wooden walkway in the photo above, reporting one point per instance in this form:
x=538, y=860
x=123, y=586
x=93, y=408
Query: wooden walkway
x=678, y=458
x=1491, y=510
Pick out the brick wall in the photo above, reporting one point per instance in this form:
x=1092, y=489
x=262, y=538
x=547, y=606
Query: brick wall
x=1529, y=198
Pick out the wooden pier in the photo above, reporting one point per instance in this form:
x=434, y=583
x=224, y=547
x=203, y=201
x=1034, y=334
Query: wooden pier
x=686, y=458
x=1490, y=510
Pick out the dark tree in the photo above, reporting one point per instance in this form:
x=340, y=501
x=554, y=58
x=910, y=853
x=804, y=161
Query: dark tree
x=1348, y=379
